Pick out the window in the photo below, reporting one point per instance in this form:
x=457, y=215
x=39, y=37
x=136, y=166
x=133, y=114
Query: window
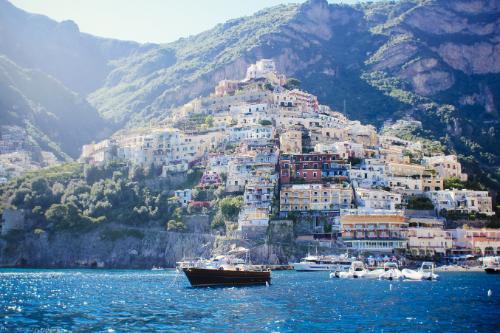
x=305, y=174
x=315, y=174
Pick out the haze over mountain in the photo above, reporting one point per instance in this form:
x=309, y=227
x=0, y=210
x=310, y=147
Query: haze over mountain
x=437, y=60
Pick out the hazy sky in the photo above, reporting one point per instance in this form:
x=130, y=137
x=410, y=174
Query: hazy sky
x=153, y=21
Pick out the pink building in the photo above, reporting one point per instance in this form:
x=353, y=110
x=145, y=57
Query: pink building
x=226, y=86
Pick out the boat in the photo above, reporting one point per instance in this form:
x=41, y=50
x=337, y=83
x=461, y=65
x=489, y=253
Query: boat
x=357, y=270
x=209, y=277
x=323, y=263
x=225, y=270
x=157, y=268
x=374, y=274
x=391, y=272
x=421, y=274
x=491, y=265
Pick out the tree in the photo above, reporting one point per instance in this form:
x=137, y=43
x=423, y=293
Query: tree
x=209, y=121
x=57, y=213
x=294, y=83
x=219, y=193
x=265, y=122
x=223, y=176
x=230, y=207
x=136, y=173
x=204, y=126
x=176, y=226
x=191, y=209
x=268, y=86
x=199, y=195
x=90, y=172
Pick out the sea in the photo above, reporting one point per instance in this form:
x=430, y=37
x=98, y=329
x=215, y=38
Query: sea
x=163, y=301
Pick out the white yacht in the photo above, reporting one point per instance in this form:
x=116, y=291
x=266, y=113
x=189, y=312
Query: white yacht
x=323, y=263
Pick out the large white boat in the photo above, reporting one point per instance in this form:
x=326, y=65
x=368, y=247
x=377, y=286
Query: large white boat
x=323, y=263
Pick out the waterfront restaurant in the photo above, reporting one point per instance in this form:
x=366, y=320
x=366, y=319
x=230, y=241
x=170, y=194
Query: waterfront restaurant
x=378, y=231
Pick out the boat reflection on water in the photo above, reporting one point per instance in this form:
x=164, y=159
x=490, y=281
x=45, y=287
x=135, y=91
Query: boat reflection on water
x=225, y=270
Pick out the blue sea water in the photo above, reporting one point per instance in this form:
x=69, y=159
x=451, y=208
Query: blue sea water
x=154, y=301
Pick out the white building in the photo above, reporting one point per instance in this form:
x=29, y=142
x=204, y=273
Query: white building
x=463, y=201
x=261, y=69
x=369, y=200
x=446, y=166
x=184, y=197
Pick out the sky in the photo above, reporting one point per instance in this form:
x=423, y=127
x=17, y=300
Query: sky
x=148, y=21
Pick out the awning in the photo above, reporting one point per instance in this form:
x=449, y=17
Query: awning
x=440, y=250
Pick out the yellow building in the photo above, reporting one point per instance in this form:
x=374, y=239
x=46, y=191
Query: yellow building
x=191, y=108
x=429, y=240
x=432, y=183
x=404, y=169
x=382, y=232
x=291, y=141
x=222, y=121
x=315, y=197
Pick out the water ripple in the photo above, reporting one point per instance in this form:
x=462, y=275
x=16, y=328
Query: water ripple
x=143, y=301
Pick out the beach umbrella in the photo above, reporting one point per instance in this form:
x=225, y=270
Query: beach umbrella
x=386, y=257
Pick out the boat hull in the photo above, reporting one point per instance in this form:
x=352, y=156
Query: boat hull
x=199, y=277
x=492, y=270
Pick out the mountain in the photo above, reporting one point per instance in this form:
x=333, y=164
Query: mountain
x=437, y=60
x=46, y=70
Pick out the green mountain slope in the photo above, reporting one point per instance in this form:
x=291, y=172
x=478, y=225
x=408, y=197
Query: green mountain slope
x=62, y=121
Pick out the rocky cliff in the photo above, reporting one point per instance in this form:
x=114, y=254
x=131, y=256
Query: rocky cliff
x=136, y=249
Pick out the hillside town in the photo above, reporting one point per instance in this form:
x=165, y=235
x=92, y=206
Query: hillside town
x=298, y=163
x=15, y=159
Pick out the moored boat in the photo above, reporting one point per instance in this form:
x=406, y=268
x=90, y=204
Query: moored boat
x=421, y=274
x=391, y=272
x=357, y=270
x=206, y=277
x=226, y=270
x=491, y=265
x=323, y=263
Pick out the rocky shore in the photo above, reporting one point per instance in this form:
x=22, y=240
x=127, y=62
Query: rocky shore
x=134, y=249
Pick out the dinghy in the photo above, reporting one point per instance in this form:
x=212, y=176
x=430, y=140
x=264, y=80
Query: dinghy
x=420, y=274
x=357, y=270
x=391, y=272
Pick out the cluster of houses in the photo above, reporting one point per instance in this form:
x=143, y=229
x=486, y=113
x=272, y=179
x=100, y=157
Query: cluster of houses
x=15, y=160
x=291, y=157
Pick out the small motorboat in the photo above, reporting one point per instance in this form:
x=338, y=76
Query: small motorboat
x=157, y=268
x=357, y=270
x=421, y=274
x=491, y=265
x=391, y=272
x=375, y=274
